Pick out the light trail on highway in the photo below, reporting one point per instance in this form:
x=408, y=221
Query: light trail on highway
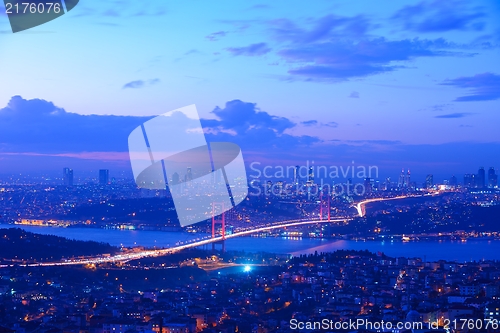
x=360, y=207
x=161, y=252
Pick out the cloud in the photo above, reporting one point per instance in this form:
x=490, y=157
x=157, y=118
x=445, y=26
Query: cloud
x=323, y=29
x=140, y=84
x=39, y=126
x=331, y=124
x=341, y=60
x=440, y=16
x=310, y=123
x=257, y=49
x=454, y=115
x=253, y=129
x=317, y=123
x=37, y=134
x=215, y=36
x=354, y=94
x=484, y=87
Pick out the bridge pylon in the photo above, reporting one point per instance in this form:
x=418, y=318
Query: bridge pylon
x=223, y=225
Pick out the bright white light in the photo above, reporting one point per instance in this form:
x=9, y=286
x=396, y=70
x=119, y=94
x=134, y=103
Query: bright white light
x=247, y=268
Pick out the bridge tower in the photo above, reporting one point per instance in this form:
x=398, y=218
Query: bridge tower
x=223, y=225
x=321, y=203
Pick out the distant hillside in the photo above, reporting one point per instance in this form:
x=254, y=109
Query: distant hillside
x=19, y=244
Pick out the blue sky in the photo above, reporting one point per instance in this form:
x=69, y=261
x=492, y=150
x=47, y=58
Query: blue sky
x=412, y=84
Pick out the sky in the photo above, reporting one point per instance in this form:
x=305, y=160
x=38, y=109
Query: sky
x=406, y=84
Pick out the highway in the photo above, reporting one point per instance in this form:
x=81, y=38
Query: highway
x=186, y=245
x=360, y=207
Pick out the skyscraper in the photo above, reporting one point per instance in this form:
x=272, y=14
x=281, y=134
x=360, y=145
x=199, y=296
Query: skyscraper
x=468, y=180
x=368, y=185
x=103, y=176
x=453, y=181
x=68, y=177
x=189, y=174
x=492, y=178
x=311, y=175
x=401, y=181
x=407, y=179
x=429, y=181
x=481, y=177
x=296, y=175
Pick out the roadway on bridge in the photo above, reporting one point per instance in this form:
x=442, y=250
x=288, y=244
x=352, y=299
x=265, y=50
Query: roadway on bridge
x=360, y=207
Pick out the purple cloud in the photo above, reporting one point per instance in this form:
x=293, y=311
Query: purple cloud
x=310, y=123
x=354, y=94
x=323, y=29
x=215, y=36
x=342, y=59
x=484, y=87
x=439, y=16
x=453, y=115
x=244, y=123
x=251, y=50
x=140, y=84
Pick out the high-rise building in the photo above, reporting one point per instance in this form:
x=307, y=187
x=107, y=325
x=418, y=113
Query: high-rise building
x=429, y=181
x=68, y=177
x=368, y=186
x=407, y=179
x=401, y=181
x=481, y=177
x=492, y=178
x=469, y=180
x=453, y=181
x=296, y=174
x=103, y=177
x=311, y=175
x=189, y=174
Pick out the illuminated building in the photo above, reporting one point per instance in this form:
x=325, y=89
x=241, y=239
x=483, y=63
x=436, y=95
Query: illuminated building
x=311, y=175
x=453, y=181
x=481, y=176
x=103, y=176
x=68, y=177
x=492, y=178
x=429, y=181
x=469, y=180
x=296, y=175
x=401, y=180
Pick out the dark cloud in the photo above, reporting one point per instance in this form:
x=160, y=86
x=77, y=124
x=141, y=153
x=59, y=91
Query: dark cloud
x=331, y=124
x=244, y=123
x=40, y=126
x=257, y=49
x=140, y=83
x=440, y=16
x=453, y=115
x=323, y=29
x=484, y=87
x=37, y=134
x=338, y=48
x=345, y=59
x=215, y=36
x=310, y=123
x=317, y=123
